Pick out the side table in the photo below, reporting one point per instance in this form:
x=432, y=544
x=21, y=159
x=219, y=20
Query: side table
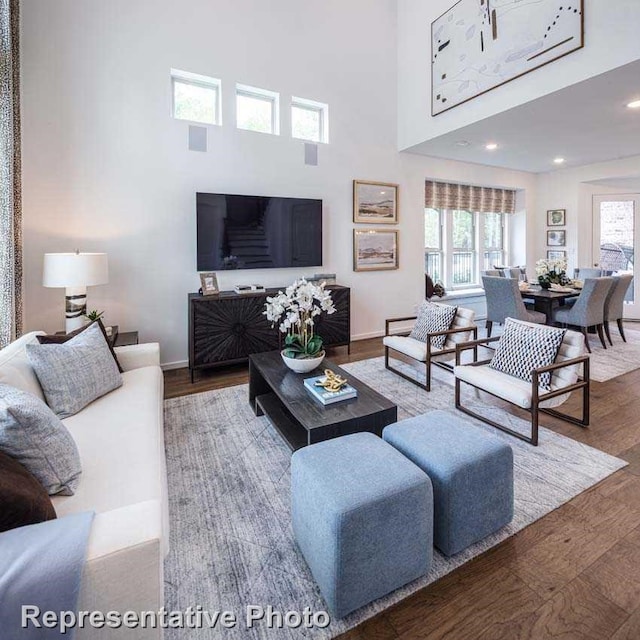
x=126, y=338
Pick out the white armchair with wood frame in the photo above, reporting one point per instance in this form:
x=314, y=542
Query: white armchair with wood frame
x=462, y=330
x=569, y=372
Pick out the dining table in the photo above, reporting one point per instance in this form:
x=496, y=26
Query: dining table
x=545, y=300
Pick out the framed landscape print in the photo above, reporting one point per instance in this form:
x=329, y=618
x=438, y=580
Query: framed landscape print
x=557, y=238
x=375, y=202
x=556, y=255
x=375, y=250
x=556, y=217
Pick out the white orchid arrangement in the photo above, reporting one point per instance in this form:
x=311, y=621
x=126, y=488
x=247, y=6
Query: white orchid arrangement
x=296, y=309
x=552, y=271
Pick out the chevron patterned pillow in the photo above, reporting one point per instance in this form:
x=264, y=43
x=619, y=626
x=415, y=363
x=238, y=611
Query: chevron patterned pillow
x=432, y=318
x=523, y=348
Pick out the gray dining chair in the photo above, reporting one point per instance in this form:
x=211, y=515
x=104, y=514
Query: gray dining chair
x=588, y=309
x=614, y=304
x=504, y=300
x=582, y=273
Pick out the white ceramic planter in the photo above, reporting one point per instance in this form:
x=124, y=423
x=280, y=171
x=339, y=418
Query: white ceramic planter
x=303, y=365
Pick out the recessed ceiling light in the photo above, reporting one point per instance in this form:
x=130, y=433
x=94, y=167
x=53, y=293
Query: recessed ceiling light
x=492, y=146
x=634, y=105
x=558, y=160
x=463, y=143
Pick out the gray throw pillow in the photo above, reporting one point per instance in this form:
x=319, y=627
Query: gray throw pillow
x=31, y=434
x=433, y=318
x=75, y=373
x=523, y=348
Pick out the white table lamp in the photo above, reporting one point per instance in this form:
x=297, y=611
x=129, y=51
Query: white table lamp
x=75, y=272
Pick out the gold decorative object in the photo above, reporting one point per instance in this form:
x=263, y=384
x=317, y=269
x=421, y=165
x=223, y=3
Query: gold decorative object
x=332, y=381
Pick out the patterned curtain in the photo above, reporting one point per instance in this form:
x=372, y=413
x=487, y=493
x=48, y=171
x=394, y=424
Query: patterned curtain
x=443, y=195
x=10, y=187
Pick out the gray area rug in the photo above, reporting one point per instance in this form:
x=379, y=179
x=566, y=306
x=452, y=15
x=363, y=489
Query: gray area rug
x=231, y=539
x=616, y=360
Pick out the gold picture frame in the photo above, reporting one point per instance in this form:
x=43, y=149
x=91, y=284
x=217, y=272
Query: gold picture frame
x=375, y=249
x=209, y=283
x=375, y=202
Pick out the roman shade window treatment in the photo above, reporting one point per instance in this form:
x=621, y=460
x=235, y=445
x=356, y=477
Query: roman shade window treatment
x=464, y=197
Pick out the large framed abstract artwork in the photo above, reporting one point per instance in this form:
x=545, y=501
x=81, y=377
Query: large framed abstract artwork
x=478, y=45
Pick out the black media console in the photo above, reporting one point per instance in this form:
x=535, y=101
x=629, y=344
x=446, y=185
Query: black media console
x=226, y=328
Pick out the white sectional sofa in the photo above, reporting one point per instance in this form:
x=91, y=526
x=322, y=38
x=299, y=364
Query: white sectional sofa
x=121, y=443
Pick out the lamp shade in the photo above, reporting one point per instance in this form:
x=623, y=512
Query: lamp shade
x=75, y=269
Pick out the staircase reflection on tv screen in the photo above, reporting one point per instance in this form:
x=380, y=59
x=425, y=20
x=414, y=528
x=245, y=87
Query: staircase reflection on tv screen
x=257, y=232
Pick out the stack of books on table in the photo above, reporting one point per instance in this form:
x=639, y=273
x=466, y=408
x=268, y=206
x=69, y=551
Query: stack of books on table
x=328, y=397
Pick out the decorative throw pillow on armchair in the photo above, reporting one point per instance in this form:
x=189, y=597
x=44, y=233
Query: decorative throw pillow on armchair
x=431, y=319
x=75, y=373
x=524, y=347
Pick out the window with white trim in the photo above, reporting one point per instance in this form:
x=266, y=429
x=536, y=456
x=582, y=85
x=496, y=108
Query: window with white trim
x=472, y=234
x=196, y=98
x=257, y=109
x=460, y=244
x=433, y=254
x=309, y=120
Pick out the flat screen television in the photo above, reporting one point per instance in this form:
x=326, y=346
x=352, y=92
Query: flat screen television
x=257, y=232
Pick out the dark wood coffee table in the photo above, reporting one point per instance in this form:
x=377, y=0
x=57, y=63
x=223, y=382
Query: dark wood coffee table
x=279, y=393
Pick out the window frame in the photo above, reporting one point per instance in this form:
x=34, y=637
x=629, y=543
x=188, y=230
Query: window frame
x=478, y=251
x=437, y=250
x=490, y=249
x=321, y=109
x=197, y=80
x=271, y=97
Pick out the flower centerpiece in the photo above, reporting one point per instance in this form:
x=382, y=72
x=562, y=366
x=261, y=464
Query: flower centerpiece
x=552, y=272
x=295, y=310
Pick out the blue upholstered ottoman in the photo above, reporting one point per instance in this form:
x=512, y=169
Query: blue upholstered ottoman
x=471, y=472
x=362, y=517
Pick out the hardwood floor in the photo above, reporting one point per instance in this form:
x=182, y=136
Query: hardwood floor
x=573, y=574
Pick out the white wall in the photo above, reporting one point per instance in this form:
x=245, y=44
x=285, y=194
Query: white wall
x=611, y=40
x=107, y=169
x=570, y=189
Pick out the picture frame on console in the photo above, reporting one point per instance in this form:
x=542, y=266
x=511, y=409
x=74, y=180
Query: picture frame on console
x=209, y=284
x=375, y=202
x=375, y=249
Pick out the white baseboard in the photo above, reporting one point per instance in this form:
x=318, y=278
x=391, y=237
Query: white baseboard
x=180, y=364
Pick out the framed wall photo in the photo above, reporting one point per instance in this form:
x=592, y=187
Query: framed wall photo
x=556, y=217
x=375, y=250
x=209, y=284
x=375, y=202
x=557, y=238
x=556, y=255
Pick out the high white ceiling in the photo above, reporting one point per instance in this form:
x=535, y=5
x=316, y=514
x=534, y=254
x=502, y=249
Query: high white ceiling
x=585, y=123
